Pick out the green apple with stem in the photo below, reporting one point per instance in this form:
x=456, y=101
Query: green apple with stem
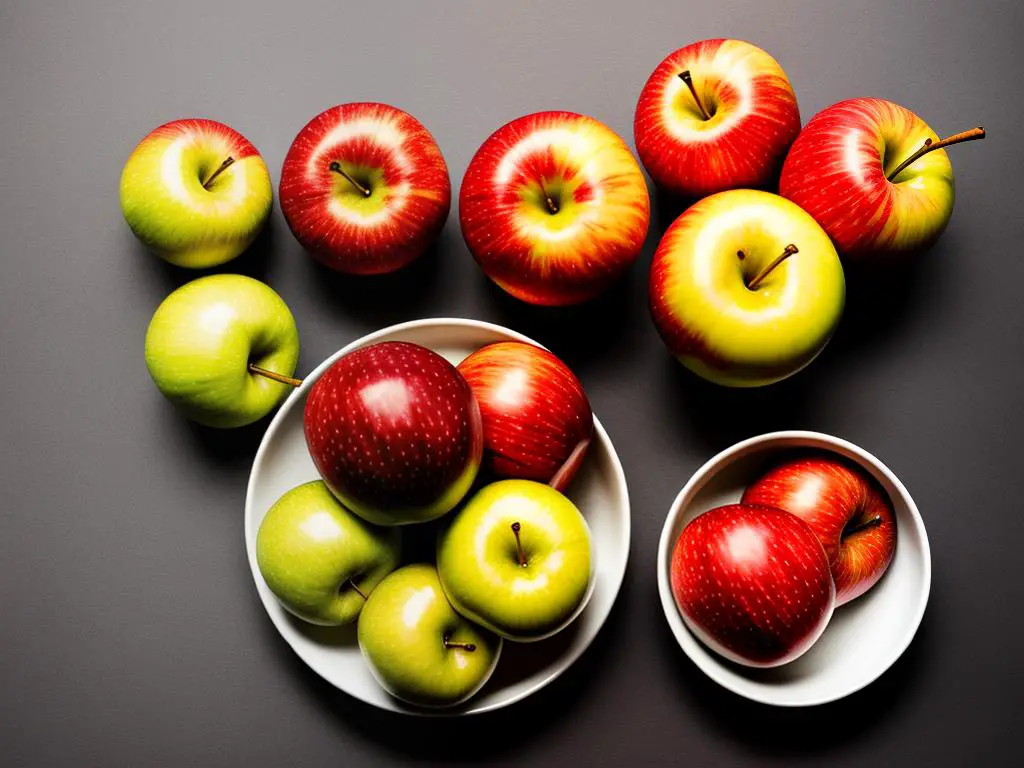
x=223, y=349
x=320, y=560
x=517, y=559
x=417, y=647
x=196, y=192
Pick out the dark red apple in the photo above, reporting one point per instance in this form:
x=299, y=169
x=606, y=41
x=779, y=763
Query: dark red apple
x=752, y=583
x=537, y=419
x=395, y=431
x=847, y=510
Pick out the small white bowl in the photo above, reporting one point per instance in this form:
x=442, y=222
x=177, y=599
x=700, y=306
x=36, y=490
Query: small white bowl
x=864, y=637
x=599, y=490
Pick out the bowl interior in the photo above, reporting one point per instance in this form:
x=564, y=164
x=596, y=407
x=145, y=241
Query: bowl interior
x=599, y=490
x=864, y=637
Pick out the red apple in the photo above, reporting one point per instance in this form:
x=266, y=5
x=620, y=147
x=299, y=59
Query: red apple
x=554, y=207
x=849, y=169
x=715, y=115
x=537, y=419
x=752, y=583
x=395, y=432
x=847, y=510
x=364, y=188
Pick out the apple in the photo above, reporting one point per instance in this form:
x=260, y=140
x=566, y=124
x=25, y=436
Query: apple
x=746, y=289
x=223, y=349
x=517, y=560
x=196, y=192
x=417, y=647
x=320, y=560
x=395, y=432
x=874, y=175
x=554, y=208
x=536, y=417
x=752, y=583
x=847, y=510
x=715, y=115
x=364, y=188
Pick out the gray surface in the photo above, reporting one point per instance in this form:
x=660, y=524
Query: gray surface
x=130, y=631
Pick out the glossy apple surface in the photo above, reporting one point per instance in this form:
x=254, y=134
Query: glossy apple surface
x=395, y=432
x=517, y=559
x=554, y=208
x=536, y=416
x=752, y=583
x=183, y=205
x=364, y=188
x=847, y=510
x=204, y=337
x=751, y=119
x=319, y=559
x=417, y=647
x=711, y=313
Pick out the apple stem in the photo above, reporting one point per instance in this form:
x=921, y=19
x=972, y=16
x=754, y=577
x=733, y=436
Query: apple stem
x=552, y=205
x=519, y=544
x=876, y=520
x=972, y=135
x=279, y=377
x=336, y=167
x=356, y=589
x=223, y=167
x=464, y=646
x=789, y=251
x=574, y=457
x=685, y=77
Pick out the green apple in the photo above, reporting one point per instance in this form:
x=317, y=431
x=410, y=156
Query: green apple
x=196, y=192
x=417, y=647
x=320, y=560
x=517, y=560
x=746, y=288
x=223, y=349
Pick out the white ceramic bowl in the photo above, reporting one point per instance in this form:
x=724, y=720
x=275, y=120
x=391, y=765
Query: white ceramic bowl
x=599, y=490
x=864, y=637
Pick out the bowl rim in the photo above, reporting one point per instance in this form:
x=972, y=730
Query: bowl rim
x=701, y=476
x=601, y=435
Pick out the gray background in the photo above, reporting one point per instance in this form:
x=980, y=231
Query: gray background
x=130, y=631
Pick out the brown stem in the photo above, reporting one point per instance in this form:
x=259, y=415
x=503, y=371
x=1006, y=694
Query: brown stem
x=336, y=167
x=876, y=520
x=356, y=589
x=789, y=251
x=223, y=167
x=279, y=377
x=685, y=77
x=464, y=646
x=570, y=463
x=552, y=205
x=519, y=545
x=972, y=135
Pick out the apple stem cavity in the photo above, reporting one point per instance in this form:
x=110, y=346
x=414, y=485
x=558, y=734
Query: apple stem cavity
x=355, y=589
x=786, y=253
x=336, y=167
x=871, y=523
x=972, y=135
x=223, y=167
x=685, y=77
x=274, y=376
x=462, y=646
x=552, y=205
x=519, y=544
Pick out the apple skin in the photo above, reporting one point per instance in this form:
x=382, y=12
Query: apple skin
x=202, y=339
x=168, y=208
x=536, y=417
x=395, y=158
x=478, y=562
x=603, y=208
x=836, y=171
x=831, y=495
x=402, y=632
x=752, y=583
x=711, y=320
x=754, y=119
x=311, y=551
x=395, y=432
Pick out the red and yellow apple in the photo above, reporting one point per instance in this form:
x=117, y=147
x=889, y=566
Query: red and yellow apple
x=365, y=188
x=715, y=115
x=554, y=207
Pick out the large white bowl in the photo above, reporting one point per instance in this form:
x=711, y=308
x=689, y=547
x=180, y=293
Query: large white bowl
x=599, y=490
x=864, y=637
